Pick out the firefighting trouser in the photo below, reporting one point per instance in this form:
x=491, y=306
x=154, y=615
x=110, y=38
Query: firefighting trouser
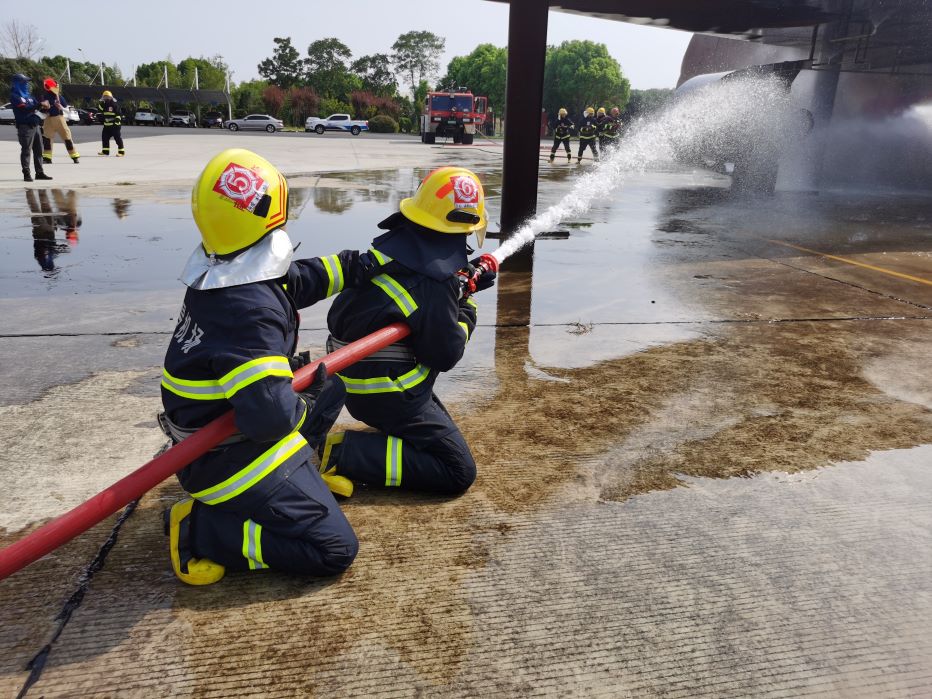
x=417, y=446
x=607, y=143
x=106, y=134
x=296, y=527
x=56, y=126
x=557, y=140
x=584, y=143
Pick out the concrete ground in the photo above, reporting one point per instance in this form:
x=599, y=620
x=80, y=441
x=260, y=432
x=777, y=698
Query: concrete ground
x=703, y=428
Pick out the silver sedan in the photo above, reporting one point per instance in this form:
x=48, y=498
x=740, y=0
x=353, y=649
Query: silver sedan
x=260, y=122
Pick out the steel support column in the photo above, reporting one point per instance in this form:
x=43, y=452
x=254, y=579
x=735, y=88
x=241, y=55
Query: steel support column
x=527, y=46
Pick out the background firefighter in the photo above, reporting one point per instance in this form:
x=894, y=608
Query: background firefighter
x=258, y=500
x=112, y=124
x=417, y=445
x=561, y=134
x=55, y=123
x=609, y=124
x=588, y=130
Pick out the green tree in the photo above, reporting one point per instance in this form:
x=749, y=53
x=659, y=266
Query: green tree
x=375, y=74
x=151, y=74
x=416, y=56
x=580, y=74
x=285, y=68
x=327, y=71
x=483, y=71
x=247, y=97
x=211, y=72
x=643, y=102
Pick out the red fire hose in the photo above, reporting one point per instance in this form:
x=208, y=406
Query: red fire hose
x=50, y=536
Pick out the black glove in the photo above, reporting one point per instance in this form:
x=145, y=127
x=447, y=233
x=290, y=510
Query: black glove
x=310, y=393
x=299, y=360
x=486, y=277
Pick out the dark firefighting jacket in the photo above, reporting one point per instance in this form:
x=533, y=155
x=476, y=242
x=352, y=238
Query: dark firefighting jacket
x=608, y=126
x=588, y=128
x=110, y=112
x=563, y=128
x=231, y=349
x=421, y=289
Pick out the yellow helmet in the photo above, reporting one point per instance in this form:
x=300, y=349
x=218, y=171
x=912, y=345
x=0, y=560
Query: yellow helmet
x=601, y=110
x=106, y=93
x=449, y=200
x=589, y=111
x=562, y=112
x=239, y=198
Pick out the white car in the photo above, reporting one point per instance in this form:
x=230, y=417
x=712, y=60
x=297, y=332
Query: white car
x=261, y=122
x=147, y=118
x=182, y=117
x=71, y=115
x=6, y=114
x=336, y=122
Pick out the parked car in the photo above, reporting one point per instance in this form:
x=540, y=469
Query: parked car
x=71, y=115
x=335, y=122
x=262, y=122
x=6, y=114
x=212, y=119
x=182, y=117
x=88, y=116
x=147, y=118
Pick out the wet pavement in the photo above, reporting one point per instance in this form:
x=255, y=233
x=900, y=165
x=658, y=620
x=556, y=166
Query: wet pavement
x=702, y=424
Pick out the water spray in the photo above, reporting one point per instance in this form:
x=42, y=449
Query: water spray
x=721, y=118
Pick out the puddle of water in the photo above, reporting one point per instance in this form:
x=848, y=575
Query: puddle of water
x=61, y=242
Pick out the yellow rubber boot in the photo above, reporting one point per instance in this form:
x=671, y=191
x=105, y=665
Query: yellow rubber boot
x=339, y=485
x=193, y=571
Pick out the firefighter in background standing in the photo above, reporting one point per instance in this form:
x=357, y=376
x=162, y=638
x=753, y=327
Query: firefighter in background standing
x=112, y=122
x=257, y=500
x=55, y=123
x=417, y=445
x=608, y=130
x=588, y=130
x=561, y=134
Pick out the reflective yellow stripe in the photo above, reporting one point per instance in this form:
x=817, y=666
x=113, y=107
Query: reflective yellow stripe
x=231, y=383
x=303, y=417
x=254, y=472
x=195, y=390
x=334, y=274
x=386, y=384
x=253, y=370
x=393, y=462
x=465, y=329
x=397, y=293
x=252, y=545
x=382, y=258
x=471, y=302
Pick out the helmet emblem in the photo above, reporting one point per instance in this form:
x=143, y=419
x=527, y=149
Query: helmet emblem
x=465, y=192
x=241, y=185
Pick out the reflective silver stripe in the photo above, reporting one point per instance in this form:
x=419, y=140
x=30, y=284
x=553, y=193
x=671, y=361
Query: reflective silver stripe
x=393, y=462
x=382, y=258
x=385, y=384
x=397, y=293
x=196, y=390
x=254, y=472
x=252, y=545
x=395, y=352
x=334, y=274
x=253, y=370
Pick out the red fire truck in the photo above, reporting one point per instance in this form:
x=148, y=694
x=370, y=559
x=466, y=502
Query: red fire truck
x=457, y=115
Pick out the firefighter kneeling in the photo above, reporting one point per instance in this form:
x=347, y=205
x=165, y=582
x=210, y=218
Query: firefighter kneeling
x=257, y=500
x=417, y=445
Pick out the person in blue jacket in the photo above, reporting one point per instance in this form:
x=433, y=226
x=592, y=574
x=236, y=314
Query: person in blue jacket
x=416, y=444
x=257, y=500
x=28, y=126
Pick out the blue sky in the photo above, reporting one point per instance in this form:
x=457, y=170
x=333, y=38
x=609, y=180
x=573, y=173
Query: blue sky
x=131, y=33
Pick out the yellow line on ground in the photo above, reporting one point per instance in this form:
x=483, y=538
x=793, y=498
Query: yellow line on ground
x=852, y=262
